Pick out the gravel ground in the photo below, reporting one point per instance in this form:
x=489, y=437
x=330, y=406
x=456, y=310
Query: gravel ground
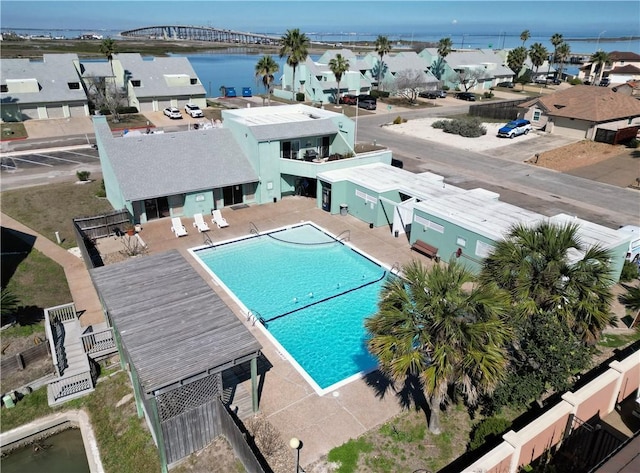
x=422, y=128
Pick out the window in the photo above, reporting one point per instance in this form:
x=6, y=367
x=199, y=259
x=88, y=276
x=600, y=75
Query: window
x=483, y=249
x=461, y=242
x=73, y=85
x=194, y=81
x=4, y=88
x=536, y=115
x=135, y=82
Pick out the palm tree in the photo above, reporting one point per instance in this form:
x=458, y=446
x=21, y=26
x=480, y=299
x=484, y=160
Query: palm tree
x=524, y=36
x=563, y=53
x=538, y=54
x=556, y=40
x=430, y=326
x=383, y=46
x=444, y=48
x=631, y=300
x=108, y=48
x=265, y=69
x=547, y=268
x=338, y=65
x=295, y=46
x=516, y=59
x=600, y=59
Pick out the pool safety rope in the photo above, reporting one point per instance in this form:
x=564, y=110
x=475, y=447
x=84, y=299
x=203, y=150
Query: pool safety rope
x=264, y=322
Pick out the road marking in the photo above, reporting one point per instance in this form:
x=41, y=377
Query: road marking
x=32, y=162
x=59, y=159
x=82, y=154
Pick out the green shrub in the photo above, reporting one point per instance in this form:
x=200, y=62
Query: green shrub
x=445, y=87
x=487, y=95
x=486, y=429
x=468, y=127
x=629, y=271
x=102, y=192
x=634, y=143
x=300, y=97
x=575, y=81
x=83, y=175
x=379, y=94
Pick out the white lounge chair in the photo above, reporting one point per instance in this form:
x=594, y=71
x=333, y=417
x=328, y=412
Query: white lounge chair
x=177, y=227
x=218, y=219
x=200, y=224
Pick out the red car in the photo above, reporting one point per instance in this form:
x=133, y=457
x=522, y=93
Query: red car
x=349, y=99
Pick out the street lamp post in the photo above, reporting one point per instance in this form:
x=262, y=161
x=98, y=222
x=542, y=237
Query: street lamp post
x=296, y=444
x=598, y=41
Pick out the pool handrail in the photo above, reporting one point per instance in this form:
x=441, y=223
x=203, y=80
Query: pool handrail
x=347, y=234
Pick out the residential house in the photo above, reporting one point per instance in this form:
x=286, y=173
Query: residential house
x=584, y=112
x=318, y=83
x=630, y=88
x=259, y=155
x=623, y=66
x=153, y=84
x=395, y=65
x=41, y=88
x=459, y=223
x=474, y=70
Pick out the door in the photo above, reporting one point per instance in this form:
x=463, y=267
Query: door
x=326, y=198
x=232, y=195
x=156, y=208
x=324, y=147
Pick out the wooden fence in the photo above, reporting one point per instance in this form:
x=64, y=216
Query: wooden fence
x=504, y=110
x=21, y=360
x=100, y=226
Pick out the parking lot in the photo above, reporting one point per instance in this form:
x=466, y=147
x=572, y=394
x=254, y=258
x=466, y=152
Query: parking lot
x=21, y=168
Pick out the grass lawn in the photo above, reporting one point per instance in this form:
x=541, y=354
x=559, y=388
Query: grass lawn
x=124, y=441
x=51, y=208
x=13, y=131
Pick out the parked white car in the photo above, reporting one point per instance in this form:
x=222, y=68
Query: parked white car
x=633, y=253
x=193, y=110
x=172, y=113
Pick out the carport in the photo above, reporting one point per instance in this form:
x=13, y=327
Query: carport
x=175, y=337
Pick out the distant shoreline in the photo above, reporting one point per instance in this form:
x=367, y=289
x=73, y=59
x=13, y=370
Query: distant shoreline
x=603, y=40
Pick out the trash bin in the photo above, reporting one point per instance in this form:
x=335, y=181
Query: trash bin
x=8, y=401
x=344, y=209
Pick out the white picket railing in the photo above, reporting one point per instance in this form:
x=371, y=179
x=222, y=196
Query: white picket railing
x=98, y=342
x=68, y=386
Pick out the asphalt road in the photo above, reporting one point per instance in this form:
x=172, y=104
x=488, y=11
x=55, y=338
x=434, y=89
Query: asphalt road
x=537, y=189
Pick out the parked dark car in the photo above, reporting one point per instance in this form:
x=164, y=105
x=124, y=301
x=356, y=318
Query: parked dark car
x=367, y=97
x=433, y=94
x=349, y=99
x=466, y=96
x=367, y=104
x=604, y=82
x=508, y=85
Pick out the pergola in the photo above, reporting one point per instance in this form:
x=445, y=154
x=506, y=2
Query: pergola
x=176, y=337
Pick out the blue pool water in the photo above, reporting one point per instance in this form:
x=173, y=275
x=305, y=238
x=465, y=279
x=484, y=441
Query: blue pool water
x=313, y=296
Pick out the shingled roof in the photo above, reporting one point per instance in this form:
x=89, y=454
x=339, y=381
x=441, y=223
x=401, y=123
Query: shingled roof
x=583, y=102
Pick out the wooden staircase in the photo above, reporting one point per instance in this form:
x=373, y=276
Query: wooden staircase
x=71, y=350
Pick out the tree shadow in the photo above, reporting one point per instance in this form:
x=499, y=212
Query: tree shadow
x=15, y=247
x=409, y=395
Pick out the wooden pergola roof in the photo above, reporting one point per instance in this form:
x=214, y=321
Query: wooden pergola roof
x=172, y=325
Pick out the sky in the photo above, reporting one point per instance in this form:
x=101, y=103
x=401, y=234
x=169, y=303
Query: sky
x=577, y=18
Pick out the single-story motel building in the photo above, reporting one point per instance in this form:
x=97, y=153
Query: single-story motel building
x=262, y=154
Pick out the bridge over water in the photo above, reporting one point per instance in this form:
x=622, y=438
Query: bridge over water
x=199, y=33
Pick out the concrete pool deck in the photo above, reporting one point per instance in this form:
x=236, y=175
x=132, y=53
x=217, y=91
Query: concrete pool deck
x=286, y=399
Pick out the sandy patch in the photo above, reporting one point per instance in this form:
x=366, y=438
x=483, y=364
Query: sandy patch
x=577, y=155
x=421, y=128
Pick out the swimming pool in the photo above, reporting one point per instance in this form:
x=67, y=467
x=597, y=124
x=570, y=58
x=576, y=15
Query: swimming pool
x=311, y=294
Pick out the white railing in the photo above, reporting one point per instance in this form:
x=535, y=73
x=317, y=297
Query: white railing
x=70, y=385
x=96, y=342
x=61, y=313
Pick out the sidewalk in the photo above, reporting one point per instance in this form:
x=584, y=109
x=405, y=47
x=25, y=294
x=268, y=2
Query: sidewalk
x=82, y=291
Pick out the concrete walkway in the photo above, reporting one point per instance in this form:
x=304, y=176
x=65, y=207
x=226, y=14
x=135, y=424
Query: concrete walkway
x=82, y=291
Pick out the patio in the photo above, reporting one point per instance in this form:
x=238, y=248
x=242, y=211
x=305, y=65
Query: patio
x=286, y=399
